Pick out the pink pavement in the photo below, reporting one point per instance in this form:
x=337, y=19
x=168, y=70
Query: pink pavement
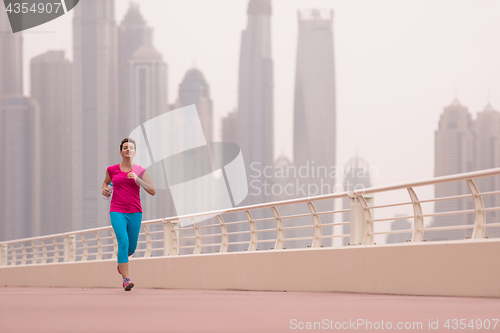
x=162, y=310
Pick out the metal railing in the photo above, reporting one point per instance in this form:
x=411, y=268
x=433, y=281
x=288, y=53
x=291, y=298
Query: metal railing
x=164, y=237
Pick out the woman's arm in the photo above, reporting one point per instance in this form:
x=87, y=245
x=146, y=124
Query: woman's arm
x=105, y=184
x=145, y=182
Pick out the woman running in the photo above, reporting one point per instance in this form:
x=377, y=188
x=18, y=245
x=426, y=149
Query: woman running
x=125, y=208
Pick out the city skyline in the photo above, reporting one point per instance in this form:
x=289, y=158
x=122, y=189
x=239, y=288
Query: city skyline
x=377, y=78
x=378, y=134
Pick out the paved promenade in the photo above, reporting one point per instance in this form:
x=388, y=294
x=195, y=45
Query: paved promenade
x=158, y=310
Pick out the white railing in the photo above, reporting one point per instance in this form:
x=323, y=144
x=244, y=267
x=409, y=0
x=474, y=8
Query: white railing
x=164, y=237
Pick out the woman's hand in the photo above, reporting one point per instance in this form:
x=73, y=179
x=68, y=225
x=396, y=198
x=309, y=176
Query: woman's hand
x=145, y=182
x=105, y=184
x=105, y=192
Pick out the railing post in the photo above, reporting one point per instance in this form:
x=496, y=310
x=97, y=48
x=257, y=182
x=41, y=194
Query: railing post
x=24, y=261
x=99, y=246
x=56, y=250
x=361, y=225
x=253, y=232
x=44, y=252
x=13, y=257
x=35, y=253
x=280, y=233
x=3, y=254
x=69, y=248
x=317, y=225
x=418, y=220
x=170, y=238
x=85, y=253
x=480, y=215
x=197, y=235
x=224, y=239
x=149, y=242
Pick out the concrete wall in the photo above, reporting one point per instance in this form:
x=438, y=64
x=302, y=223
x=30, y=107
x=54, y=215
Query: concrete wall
x=462, y=268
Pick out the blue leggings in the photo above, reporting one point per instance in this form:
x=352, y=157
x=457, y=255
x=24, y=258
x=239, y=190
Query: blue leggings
x=127, y=227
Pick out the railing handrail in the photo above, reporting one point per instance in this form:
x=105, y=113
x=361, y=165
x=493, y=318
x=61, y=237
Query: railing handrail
x=34, y=249
x=371, y=190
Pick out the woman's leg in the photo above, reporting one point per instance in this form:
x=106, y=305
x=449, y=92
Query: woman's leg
x=119, y=223
x=133, y=229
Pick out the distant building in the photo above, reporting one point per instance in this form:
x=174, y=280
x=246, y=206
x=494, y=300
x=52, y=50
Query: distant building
x=314, y=136
x=356, y=177
x=2, y=32
x=19, y=130
x=132, y=34
x=95, y=109
x=487, y=156
x=147, y=100
x=148, y=82
x=20, y=168
x=50, y=86
x=399, y=224
x=11, y=50
x=194, y=89
x=255, y=94
x=229, y=127
x=454, y=153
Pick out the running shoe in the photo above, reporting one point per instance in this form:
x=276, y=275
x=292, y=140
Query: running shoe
x=127, y=284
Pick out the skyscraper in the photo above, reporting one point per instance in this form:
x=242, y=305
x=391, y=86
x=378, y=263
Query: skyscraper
x=194, y=89
x=95, y=136
x=20, y=160
x=133, y=33
x=19, y=156
x=255, y=93
x=314, y=135
x=12, y=57
x=454, y=153
x=148, y=99
x=3, y=31
x=487, y=156
x=229, y=127
x=314, y=128
x=148, y=82
x=50, y=86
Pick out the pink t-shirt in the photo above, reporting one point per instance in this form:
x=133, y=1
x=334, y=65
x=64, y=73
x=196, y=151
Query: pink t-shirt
x=126, y=198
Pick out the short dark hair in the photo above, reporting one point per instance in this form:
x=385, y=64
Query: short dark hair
x=127, y=140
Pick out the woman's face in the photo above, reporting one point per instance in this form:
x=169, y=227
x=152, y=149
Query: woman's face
x=128, y=150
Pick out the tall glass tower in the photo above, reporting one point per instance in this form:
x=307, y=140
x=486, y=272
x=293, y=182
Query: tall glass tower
x=314, y=109
x=194, y=89
x=50, y=86
x=95, y=100
x=454, y=153
x=487, y=156
x=132, y=34
x=255, y=93
x=314, y=136
x=11, y=49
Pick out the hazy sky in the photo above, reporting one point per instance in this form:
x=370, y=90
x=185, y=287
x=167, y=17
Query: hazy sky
x=398, y=63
